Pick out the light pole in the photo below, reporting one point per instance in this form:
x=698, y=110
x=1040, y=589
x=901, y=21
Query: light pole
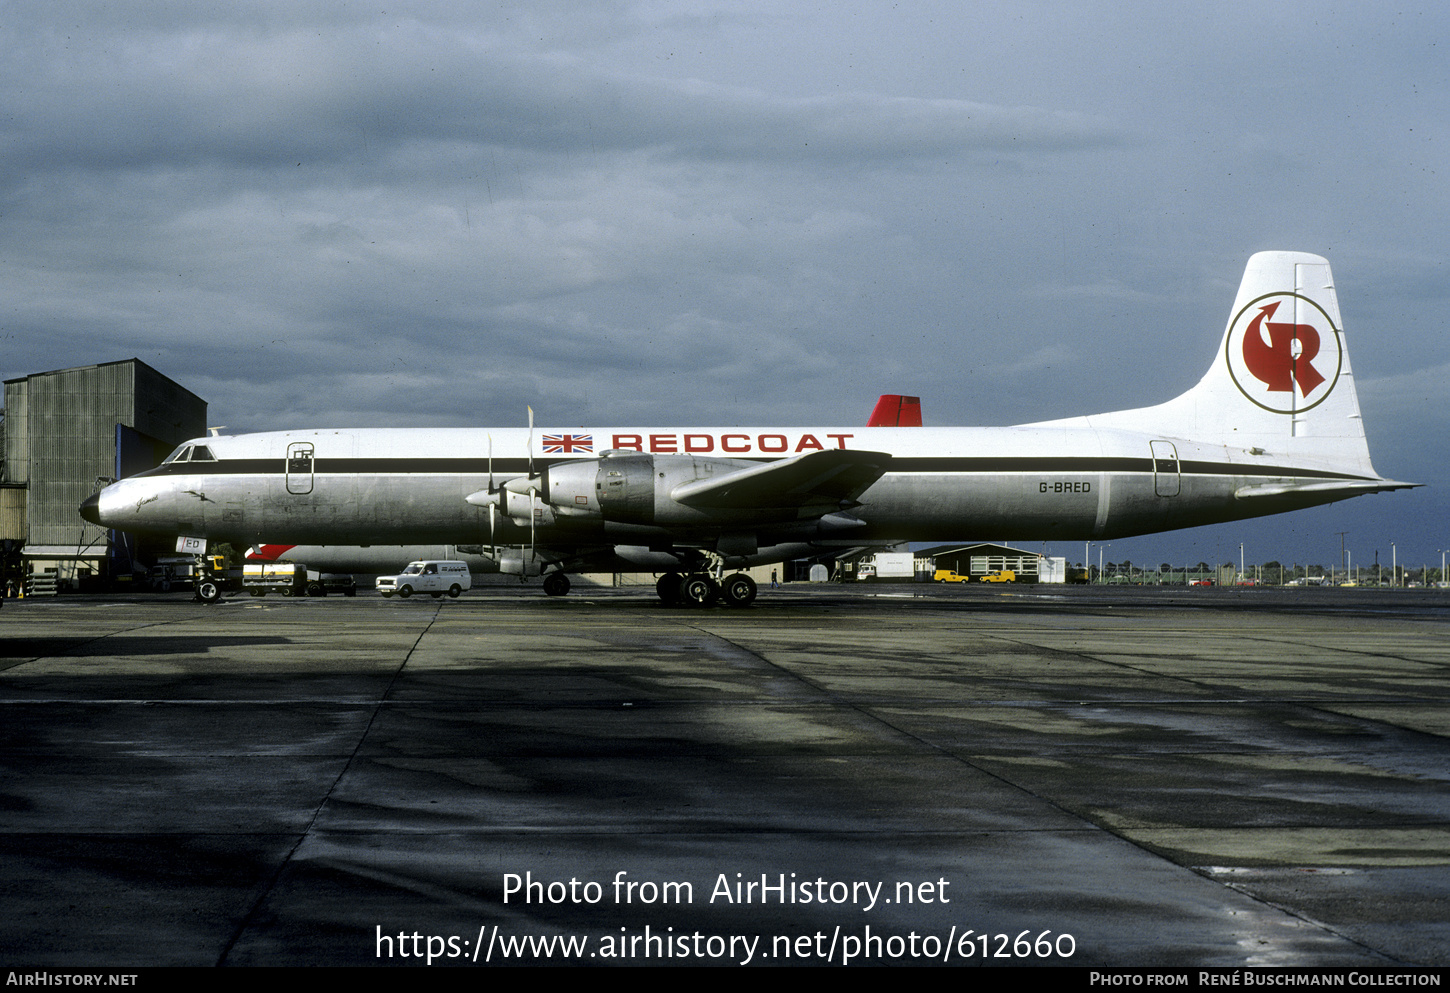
x=1394, y=567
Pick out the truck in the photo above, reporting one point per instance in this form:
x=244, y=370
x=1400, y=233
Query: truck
x=1000, y=576
x=887, y=565
x=434, y=578
x=293, y=579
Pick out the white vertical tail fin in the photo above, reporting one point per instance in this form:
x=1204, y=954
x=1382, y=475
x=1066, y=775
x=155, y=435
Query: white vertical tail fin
x=1281, y=382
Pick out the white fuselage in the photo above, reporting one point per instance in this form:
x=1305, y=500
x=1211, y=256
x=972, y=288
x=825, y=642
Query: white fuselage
x=408, y=486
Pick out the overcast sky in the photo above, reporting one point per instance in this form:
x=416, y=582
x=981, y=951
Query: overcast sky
x=326, y=214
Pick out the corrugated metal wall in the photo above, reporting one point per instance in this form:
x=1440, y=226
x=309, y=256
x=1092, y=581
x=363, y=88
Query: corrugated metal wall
x=17, y=431
x=12, y=513
x=61, y=436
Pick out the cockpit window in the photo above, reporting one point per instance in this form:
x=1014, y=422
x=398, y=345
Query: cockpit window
x=190, y=453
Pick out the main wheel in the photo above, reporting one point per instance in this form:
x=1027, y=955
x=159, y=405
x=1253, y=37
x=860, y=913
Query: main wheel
x=699, y=590
x=667, y=588
x=738, y=590
x=556, y=584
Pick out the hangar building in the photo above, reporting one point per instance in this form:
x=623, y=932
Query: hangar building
x=64, y=434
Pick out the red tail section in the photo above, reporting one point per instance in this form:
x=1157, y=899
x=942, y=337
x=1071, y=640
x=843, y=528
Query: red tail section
x=896, y=411
x=267, y=553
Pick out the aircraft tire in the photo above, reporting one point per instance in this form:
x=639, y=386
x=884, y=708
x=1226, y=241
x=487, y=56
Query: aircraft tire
x=208, y=591
x=699, y=590
x=556, y=584
x=738, y=590
x=405, y=591
x=455, y=591
x=667, y=588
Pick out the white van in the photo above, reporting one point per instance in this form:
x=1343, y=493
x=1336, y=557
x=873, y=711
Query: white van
x=435, y=578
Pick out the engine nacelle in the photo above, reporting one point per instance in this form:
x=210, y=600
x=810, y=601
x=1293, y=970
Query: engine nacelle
x=527, y=509
x=634, y=488
x=572, y=488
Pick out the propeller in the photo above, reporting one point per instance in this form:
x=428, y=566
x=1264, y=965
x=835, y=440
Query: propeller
x=526, y=485
x=492, y=504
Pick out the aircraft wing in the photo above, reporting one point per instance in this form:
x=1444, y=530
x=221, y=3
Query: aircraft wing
x=833, y=477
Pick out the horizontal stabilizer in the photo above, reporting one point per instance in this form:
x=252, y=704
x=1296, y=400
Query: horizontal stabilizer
x=835, y=476
x=1349, y=488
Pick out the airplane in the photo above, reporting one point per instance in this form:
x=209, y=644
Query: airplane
x=1273, y=426
x=891, y=410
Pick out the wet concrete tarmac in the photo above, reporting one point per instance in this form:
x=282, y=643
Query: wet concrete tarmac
x=1169, y=777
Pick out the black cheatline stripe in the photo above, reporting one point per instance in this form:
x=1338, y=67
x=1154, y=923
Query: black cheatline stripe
x=1065, y=465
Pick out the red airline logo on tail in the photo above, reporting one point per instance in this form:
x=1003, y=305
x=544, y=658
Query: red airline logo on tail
x=1267, y=357
x=1278, y=363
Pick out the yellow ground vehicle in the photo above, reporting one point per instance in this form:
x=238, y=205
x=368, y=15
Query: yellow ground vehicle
x=1001, y=576
x=948, y=576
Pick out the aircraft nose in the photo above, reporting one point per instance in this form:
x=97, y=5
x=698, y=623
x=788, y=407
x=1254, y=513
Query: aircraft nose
x=91, y=508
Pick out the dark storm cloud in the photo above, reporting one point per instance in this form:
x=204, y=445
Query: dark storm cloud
x=345, y=101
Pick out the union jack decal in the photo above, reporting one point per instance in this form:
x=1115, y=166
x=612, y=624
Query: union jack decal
x=568, y=444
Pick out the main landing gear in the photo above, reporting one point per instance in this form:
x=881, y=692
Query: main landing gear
x=699, y=589
x=695, y=589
